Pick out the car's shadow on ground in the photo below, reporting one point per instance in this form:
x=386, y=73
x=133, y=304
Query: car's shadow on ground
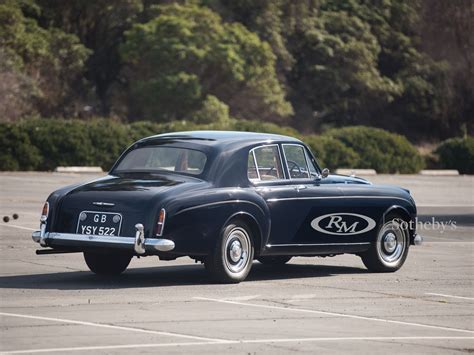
x=163, y=276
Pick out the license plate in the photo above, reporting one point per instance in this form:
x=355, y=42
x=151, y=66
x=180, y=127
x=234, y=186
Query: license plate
x=99, y=223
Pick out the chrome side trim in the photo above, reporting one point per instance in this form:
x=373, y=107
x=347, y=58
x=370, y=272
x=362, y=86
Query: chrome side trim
x=218, y=203
x=313, y=245
x=333, y=197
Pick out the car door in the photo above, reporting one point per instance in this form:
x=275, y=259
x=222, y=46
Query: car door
x=304, y=212
x=305, y=199
x=291, y=188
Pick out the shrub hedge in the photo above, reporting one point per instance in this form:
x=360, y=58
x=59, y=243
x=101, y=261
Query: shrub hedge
x=457, y=153
x=332, y=153
x=43, y=144
x=380, y=150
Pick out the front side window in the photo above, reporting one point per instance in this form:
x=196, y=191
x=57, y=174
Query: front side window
x=296, y=161
x=156, y=158
x=264, y=163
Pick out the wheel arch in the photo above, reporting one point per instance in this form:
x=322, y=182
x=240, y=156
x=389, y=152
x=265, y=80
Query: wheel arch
x=404, y=214
x=400, y=210
x=254, y=226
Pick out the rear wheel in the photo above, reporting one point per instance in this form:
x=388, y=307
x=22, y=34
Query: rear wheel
x=231, y=259
x=107, y=264
x=274, y=260
x=389, y=251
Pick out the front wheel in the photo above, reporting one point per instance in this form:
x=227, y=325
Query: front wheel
x=389, y=251
x=107, y=264
x=231, y=259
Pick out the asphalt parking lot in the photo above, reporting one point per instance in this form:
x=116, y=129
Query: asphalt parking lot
x=52, y=303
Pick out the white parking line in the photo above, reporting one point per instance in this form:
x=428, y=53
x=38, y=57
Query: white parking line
x=19, y=227
x=250, y=341
x=110, y=326
x=302, y=310
x=443, y=205
x=106, y=347
x=450, y=296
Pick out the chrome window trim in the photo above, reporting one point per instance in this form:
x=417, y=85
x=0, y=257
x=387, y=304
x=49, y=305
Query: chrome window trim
x=308, y=157
x=256, y=164
x=306, y=161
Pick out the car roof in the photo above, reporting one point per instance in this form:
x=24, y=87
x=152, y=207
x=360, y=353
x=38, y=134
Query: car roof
x=221, y=137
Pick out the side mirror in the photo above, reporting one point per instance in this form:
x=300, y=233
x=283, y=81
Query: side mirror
x=325, y=173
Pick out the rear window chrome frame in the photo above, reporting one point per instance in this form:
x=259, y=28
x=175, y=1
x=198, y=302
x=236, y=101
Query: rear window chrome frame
x=259, y=181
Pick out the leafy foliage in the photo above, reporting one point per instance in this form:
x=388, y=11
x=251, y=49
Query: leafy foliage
x=16, y=149
x=457, y=153
x=332, y=153
x=405, y=66
x=186, y=53
x=362, y=62
x=45, y=144
x=380, y=150
x=339, y=57
x=45, y=64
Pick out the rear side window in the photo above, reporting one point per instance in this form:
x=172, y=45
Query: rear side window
x=264, y=164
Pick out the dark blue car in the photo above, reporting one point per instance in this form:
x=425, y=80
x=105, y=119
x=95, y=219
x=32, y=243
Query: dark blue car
x=226, y=199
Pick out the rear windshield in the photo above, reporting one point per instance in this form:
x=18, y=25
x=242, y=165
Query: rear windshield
x=159, y=158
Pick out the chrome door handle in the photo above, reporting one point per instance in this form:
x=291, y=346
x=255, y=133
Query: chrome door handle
x=300, y=187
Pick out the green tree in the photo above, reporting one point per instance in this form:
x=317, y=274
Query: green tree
x=336, y=69
x=100, y=26
x=185, y=53
x=362, y=61
x=46, y=63
x=425, y=93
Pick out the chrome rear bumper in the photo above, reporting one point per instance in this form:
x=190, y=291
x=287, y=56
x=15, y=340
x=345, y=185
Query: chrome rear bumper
x=139, y=244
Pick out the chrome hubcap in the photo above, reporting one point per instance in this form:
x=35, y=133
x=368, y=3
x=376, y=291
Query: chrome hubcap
x=391, y=243
x=237, y=249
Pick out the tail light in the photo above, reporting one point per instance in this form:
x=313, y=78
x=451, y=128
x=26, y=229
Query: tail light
x=45, y=212
x=160, y=224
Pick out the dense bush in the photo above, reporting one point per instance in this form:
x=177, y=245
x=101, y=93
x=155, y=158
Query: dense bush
x=60, y=142
x=380, y=150
x=457, y=153
x=40, y=144
x=331, y=153
x=16, y=150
